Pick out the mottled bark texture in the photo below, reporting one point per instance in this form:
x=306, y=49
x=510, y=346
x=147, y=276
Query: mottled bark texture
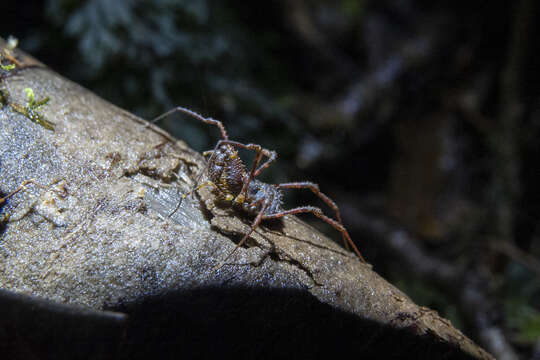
x=92, y=266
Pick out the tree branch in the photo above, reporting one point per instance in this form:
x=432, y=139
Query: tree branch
x=100, y=237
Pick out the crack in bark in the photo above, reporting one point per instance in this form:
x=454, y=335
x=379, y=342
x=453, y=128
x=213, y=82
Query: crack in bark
x=294, y=262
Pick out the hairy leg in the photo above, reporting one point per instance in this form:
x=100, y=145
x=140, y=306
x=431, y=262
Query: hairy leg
x=318, y=213
x=20, y=188
x=196, y=116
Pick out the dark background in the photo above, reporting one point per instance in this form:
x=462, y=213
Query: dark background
x=419, y=118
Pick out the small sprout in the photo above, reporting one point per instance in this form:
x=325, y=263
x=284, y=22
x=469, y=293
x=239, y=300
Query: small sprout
x=7, y=67
x=30, y=111
x=30, y=95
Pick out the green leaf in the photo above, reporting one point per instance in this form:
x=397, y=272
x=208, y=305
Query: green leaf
x=31, y=98
x=7, y=67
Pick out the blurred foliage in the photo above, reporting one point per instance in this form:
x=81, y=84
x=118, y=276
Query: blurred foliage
x=195, y=53
x=396, y=108
x=521, y=290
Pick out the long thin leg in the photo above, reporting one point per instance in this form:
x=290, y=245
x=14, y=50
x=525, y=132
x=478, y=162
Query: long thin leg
x=268, y=153
x=271, y=155
x=260, y=151
x=196, y=116
x=315, y=189
x=21, y=187
x=318, y=213
x=254, y=225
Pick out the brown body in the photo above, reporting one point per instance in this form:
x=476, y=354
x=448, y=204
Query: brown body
x=229, y=174
x=233, y=182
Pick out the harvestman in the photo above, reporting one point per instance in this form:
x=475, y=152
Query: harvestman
x=229, y=176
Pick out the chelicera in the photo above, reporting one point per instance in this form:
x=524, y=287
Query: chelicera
x=229, y=176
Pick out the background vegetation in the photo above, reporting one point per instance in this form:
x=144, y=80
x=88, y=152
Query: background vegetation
x=420, y=118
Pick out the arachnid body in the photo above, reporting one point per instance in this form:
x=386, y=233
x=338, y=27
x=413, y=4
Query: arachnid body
x=229, y=176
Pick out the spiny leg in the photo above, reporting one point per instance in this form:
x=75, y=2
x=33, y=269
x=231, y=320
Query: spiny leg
x=271, y=155
x=23, y=185
x=315, y=189
x=260, y=152
x=254, y=225
x=194, y=115
x=318, y=213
